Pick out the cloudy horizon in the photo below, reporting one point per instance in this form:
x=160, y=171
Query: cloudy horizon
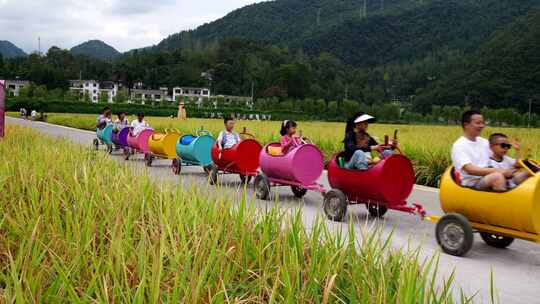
x=124, y=25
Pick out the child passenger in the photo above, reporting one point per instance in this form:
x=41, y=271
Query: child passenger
x=228, y=138
x=499, y=145
x=139, y=124
x=361, y=160
x=289, y=140
x=104, y=119
x=121, y=122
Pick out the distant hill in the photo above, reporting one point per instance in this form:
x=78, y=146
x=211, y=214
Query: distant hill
x=95, y=49
x=9, y=50
x=386, y=31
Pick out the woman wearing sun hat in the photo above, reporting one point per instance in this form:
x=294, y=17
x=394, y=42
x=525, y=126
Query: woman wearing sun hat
x=358, y=123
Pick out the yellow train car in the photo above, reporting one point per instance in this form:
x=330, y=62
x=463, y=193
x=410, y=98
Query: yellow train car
x=498, y=217
x=162, y=145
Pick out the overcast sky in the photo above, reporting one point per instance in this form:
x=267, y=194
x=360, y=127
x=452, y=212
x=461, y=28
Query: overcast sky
x=124, y=24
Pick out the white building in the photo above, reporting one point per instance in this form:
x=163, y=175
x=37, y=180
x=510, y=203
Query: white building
x=13, y=87
x=94, y=88
x=194, y=93
x=149, y=95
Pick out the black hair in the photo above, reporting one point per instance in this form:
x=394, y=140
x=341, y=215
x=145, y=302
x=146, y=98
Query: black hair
x=227, y=119
x=140, y=114
x=493, y=137
x=105, y=109
x=120, y=113
x=286, y=125
x=350, y=122
x=467, y=116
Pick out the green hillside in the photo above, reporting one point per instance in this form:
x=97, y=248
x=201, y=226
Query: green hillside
x=9, y=50
x=95, y=49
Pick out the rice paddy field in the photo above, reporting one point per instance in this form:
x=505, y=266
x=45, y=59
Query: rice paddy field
x=427, y=146
x=72, y=231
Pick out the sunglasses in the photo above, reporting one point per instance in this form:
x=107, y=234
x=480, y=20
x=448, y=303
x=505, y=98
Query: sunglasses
x=505, y=146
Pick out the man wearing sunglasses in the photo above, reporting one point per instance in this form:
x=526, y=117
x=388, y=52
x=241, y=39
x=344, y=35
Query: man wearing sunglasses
x=471, y=156
x=500, y=145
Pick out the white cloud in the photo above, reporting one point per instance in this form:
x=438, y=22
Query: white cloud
x=123, y=24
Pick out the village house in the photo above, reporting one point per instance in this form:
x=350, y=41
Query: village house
x=13, y=87
x=93, y=89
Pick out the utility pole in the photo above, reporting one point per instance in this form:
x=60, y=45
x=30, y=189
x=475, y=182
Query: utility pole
x=382, y=5
x=39, y=45
x=319, y=16
x=365, y=8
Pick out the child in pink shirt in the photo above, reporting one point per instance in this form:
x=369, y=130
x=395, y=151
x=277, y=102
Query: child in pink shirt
x=288, y=139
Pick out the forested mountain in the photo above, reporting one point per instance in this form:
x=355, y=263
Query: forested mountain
x=9, y=50
x=504, y=72
x=95, y=49
x=385, y=31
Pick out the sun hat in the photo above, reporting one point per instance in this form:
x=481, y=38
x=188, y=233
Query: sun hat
x=365, y=117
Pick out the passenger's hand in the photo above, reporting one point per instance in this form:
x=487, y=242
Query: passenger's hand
x=515, y=143
x=508, y=173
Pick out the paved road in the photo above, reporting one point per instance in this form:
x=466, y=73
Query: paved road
x=516, y=270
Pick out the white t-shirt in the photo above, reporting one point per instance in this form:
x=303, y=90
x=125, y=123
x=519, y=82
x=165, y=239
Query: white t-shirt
x=464, y=152
x=139, y=126
x=228, y=139
x=506, y=163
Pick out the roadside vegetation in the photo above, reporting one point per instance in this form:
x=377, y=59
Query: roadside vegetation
x=427, y=146
x=75, y=226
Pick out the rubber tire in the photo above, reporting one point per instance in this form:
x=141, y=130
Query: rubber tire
x=245, y=179
x=109, y=149
x=262, y=187
x=213, y=175
x=127, y=153
x=462, y=222
x=298, y=192
x=376, y=210
x=176, y=166
x=497, y=241
x=338, y=213
x=95, y=144
x=148, y=159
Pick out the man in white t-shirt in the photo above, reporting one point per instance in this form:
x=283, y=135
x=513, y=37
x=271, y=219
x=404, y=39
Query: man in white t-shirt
x=471, y=155
x=138, y=125
x=227, y=138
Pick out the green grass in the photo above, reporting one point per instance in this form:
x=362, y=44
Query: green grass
x=75, y=226
x=428, y=147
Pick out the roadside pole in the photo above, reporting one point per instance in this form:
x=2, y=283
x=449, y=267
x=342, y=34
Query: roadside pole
x=2, y=107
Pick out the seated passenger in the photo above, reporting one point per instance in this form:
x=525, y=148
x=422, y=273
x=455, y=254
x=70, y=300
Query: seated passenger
x=121, y=122
x=227, y=138
x=471, y=154
x=139, y=125
x=361, y=160
x=104, y=118
x=289, y=140
x=499, y=146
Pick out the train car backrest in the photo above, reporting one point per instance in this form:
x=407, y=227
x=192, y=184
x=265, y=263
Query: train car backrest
x=455, y=176
x=274, y=150
x=187, y=139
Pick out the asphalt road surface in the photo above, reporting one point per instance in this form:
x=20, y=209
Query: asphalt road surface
x=516, y=270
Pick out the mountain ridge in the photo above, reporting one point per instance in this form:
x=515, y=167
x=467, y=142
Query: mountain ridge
x=10, y=50
x=96, y=49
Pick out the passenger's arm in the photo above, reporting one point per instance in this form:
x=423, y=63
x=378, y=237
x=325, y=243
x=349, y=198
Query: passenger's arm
x=479, y=171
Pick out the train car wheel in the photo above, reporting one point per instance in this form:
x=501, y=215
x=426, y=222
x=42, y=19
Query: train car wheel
x=176, y=166
x=454, y=234
x=109, y=149
x=148, y=159
x=335, y=205
x=245, y=179
x=95, y=144
x=298, y=192
x=497, y=241
x=213, y=175
x=262, y=187
x=376, y=210
x=126, y=153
